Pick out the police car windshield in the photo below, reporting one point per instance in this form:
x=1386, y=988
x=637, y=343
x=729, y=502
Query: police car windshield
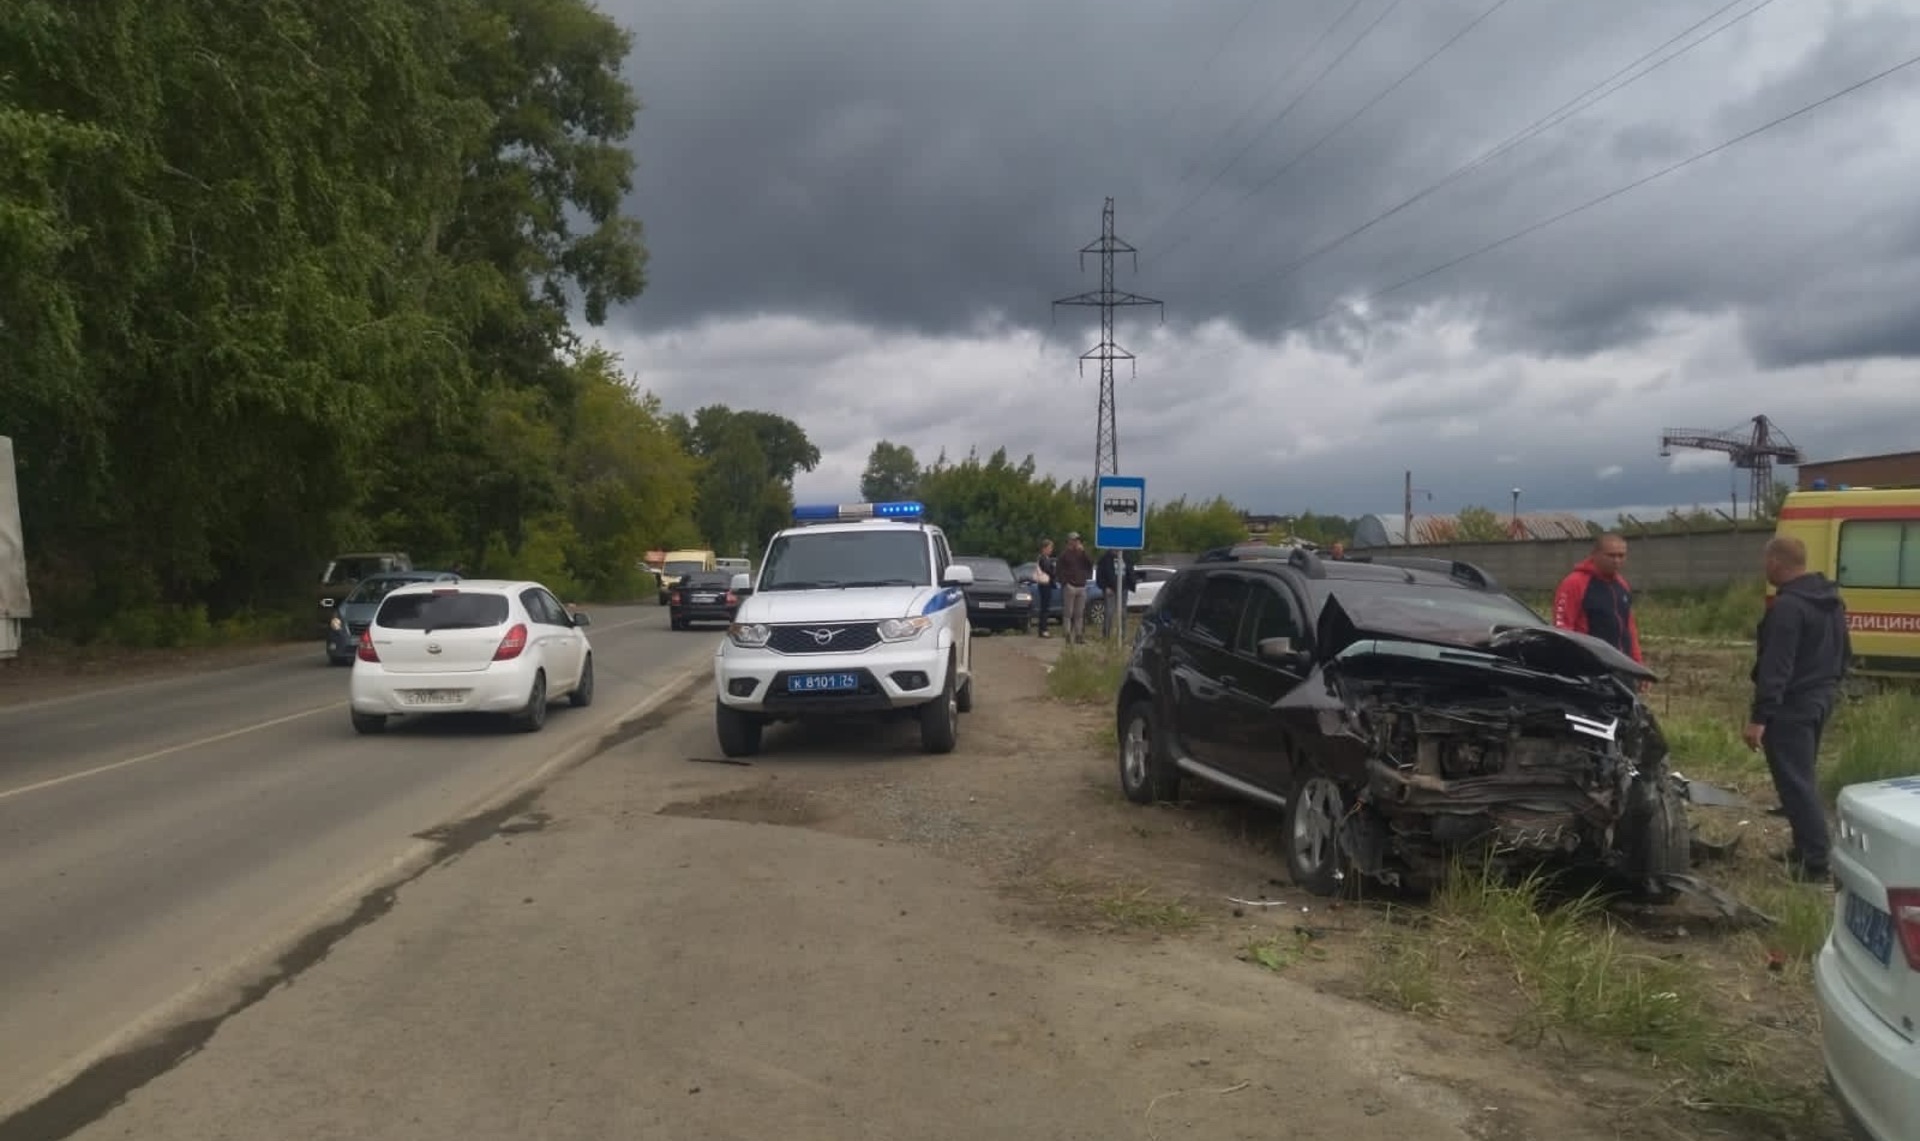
x=826, y=559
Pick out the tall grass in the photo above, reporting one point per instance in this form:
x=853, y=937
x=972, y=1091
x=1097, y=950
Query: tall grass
x=1876, y=740
x=1088, y=674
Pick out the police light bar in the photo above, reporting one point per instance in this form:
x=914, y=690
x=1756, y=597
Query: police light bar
x=854, y=512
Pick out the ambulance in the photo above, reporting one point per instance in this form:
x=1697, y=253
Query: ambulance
x=1866, y=539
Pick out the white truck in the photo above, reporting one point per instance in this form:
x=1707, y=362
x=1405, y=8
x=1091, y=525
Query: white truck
x=15, y=606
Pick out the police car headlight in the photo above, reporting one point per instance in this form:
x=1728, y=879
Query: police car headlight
x=902, y=629
x=751, y=635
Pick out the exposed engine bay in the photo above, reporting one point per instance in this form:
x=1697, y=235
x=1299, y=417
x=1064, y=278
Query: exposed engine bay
x=1517, y=766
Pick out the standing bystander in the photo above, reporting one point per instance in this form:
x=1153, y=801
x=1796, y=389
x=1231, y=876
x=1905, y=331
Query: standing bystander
x=1596, y=599
x=1045, y=570
x=1107, y=573
x=1076, y=568
x=1801, y=655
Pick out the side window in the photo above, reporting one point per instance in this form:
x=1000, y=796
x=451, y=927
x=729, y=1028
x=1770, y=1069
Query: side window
x=1175, y=600
x=1272, y=615
x=557, y=609
x=536, y=604
x=1877, y=553
x=1216, y=617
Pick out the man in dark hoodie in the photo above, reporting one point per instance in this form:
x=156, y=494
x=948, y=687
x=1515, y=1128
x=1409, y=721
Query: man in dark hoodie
x=1801, y=655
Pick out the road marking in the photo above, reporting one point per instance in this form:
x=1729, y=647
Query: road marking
x=212, y=995
x=170, y=750
x=52, y=782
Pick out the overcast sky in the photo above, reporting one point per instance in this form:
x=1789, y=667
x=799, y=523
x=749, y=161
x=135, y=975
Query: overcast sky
x=859, y=212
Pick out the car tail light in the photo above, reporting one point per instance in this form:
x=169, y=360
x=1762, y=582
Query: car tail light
x=365, y=651
x=1904, y=903
x=511, y=645
x=732, y=599
x=673, y=599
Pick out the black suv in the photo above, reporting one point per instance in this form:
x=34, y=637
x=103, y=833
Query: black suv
x=1399, y=711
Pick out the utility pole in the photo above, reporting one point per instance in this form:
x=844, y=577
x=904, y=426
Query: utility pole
x=1106, y=448
x=1406, y=521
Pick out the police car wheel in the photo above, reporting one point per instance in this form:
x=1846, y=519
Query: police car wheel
x=739, y=732
x=963, y=701
x=940, y=718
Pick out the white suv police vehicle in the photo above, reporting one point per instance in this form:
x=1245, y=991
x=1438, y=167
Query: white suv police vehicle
x=858, y=609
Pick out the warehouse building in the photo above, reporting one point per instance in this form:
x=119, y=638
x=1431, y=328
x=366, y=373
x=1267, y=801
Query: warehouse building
x=1895, y=469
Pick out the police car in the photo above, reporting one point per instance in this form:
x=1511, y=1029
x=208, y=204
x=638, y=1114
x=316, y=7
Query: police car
x=858, y=609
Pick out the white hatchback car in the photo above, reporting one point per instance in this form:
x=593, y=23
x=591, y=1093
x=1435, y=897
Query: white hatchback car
x=475, y=646
x=1867, y=976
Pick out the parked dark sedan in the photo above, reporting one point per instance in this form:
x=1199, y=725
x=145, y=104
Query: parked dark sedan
x=1399, y=711
x=996, y=600
x=704, y=596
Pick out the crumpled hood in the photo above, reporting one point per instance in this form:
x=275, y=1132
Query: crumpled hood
x=1548, y=649
x=853, y=604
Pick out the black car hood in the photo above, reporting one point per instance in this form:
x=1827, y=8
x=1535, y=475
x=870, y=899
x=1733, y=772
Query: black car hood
x=1547, y=649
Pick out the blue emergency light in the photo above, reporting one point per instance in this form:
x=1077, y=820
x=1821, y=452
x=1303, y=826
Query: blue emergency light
x=854, y=512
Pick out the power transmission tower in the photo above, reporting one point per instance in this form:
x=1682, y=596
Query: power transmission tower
x=1106, y=448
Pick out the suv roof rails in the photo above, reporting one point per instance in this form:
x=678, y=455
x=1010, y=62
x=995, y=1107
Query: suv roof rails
x=1460, y=571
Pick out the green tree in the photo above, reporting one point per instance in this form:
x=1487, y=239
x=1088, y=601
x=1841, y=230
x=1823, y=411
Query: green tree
x=998, y=508
x=1191, y=528
x=748, y=463
x=1479, y=525
x=892, y=472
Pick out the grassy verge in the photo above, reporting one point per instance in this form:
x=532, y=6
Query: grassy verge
x=1087, y=674
x=1569, y=975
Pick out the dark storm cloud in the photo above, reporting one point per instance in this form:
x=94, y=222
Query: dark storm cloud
x=911, y=166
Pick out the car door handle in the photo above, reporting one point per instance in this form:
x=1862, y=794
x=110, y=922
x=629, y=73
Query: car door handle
x=1226, y=681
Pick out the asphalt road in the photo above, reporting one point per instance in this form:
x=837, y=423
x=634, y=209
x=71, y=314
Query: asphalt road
x=153, y=834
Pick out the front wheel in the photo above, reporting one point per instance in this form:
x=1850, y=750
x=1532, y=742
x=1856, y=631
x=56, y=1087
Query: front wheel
x=1316, y=814
x=940, y=718
x=582, y=695
x=739, y=731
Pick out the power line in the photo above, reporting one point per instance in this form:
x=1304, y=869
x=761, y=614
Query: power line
x=1616, y=192
x=1539, y=126
x=1346, y=122
x=1226, y=42
x=1106, y=445
x=1285, y=75
x=1304, y=92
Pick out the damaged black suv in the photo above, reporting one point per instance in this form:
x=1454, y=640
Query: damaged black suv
x=1400, y=711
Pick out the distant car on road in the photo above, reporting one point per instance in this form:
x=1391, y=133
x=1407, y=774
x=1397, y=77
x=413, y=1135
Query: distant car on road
x=1866, y=978
x=475, y=646
x=703, y=596
x=356, y=610
x=995, y=599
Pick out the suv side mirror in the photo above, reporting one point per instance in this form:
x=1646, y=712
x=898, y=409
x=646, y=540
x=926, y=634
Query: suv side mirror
x=957, y=575
x=742, y=583
x=1281, y=652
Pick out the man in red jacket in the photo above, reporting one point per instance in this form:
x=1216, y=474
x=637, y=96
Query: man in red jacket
x=1596, y=599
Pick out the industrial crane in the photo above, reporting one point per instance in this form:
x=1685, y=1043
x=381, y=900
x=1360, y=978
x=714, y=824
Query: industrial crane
x=1755, y=450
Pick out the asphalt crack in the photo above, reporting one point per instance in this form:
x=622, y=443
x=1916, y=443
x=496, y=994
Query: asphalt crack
x=106, y=1084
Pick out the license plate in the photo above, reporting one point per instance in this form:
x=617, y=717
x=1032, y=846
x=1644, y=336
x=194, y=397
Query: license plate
x=993, y=606
x=818, y=683
x=705, y=597
x=1871, y=926
x=432, y=696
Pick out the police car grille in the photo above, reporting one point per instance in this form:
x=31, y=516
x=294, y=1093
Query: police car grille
x=813, y=639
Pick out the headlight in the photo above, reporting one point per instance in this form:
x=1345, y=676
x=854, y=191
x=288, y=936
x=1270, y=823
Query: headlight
x=751, y=635
x=902, y=629
x=333, y=623
x=1022, y=596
